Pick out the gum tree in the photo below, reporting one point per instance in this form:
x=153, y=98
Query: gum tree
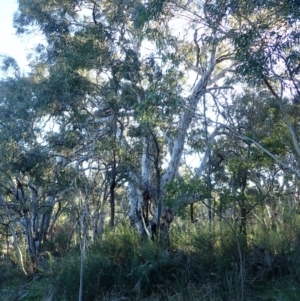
x=112, y=89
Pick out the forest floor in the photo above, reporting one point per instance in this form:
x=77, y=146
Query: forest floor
x=199, y=264
x=41, y=287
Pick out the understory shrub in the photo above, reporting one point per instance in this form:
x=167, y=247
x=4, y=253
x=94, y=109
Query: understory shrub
x=214, y=260
x=121, y=262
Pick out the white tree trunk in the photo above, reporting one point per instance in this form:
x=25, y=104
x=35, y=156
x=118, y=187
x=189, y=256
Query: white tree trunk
x=17, y=248
x=167, y=214
x=204, y=161
x=162, y=214
x=84, y=220
x=135, y=201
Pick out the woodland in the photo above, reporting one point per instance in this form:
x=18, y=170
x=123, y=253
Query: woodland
x=151, y=152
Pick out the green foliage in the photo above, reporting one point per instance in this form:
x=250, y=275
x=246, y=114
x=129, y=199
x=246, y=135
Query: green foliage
x=145, y=13
x=182, y=190
x=119, y=262
x=200, y=256
x=113, y=74
x=9, y=272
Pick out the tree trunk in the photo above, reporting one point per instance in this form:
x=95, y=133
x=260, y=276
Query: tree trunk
x=112, y=193
x=17, y=248
x=83, y=243
x=136, y=203
x=33, y=240
x=163, y=215
x=45, y=221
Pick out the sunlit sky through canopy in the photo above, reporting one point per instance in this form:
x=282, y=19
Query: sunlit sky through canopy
x=10, y=44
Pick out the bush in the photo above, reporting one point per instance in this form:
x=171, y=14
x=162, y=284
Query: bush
x=121, y=263
x=213, y=261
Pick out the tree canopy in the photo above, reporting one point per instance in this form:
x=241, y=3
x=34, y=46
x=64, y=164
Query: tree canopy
x=149, y=111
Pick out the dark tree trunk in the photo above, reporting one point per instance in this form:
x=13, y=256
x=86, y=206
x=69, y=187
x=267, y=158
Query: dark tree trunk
x=112, y=193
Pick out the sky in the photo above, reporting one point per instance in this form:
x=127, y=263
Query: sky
x=10, y=44
x=15, y=46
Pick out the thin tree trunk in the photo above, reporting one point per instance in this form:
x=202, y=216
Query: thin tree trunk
x=112, y=193
x=18, y=250
x=82, y=256
x=157, y=167
x=83, y=242
x=112, y=205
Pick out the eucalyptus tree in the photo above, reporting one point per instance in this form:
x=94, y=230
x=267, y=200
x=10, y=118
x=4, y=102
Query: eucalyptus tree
x=32, y=185
x=99, y=82
x=263, y=51
x=253, y=179
x=133, y=114
x=261, y=39
x=185, y=56
x=265, y=40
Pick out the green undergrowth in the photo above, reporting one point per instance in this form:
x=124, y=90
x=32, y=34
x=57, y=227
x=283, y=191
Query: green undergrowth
x=216, y=262
x=201, y=263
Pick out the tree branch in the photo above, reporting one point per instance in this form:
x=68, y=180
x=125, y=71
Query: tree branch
x=285, y=116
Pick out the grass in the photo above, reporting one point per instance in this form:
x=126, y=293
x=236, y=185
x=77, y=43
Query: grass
x=201, y=263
